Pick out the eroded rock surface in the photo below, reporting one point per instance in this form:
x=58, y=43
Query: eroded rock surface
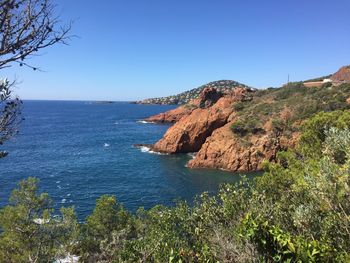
x=190, y=132
x=224, y=150
x=342, y=75
x=171, y=116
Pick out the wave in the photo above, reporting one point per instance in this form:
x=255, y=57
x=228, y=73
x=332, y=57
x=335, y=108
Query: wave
x=145, y=122
x=146, y=149
x=106, y=145
x=192, y=155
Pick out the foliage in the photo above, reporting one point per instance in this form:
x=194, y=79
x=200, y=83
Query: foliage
x=239, y=106
x=29, y=232
x=26, y=27
x=314, y=130
x=10, y=111
x=297, y=211
x=250, y=126
x=104, y=229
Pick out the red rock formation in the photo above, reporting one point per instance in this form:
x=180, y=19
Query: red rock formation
x=225, y=150
x=190, y=132
x=207, y=98
x=342, y=75
x=171, y=116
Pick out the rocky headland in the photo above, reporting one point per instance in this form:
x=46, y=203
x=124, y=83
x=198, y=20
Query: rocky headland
x=238, y=130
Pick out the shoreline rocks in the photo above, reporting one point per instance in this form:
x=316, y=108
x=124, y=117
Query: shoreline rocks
x=204, y=127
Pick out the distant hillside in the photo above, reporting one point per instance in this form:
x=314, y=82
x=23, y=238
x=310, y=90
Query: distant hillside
x=342, y=75
x=184, y=97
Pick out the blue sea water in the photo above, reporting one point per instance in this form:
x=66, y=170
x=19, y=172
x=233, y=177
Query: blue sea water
x=82, y=150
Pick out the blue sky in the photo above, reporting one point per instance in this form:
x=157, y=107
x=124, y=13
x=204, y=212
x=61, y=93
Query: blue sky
x=133, y=49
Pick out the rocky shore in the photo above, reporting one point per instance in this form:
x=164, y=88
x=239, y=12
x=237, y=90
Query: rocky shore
x=238, y=130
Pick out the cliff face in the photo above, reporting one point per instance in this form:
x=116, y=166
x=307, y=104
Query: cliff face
x=224, y=150
x=171, y=116
x=207, y=98
x=237, y=131
x=191, y=131
x=342, y=75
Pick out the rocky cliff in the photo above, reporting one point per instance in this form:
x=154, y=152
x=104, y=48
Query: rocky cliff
x=342, y=75
x=238, y=130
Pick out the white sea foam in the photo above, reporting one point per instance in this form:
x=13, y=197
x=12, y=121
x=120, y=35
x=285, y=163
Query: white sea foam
x=146, y=149
x=192, y=155
x=106, y=145
x=63, y=200
x=145, y=122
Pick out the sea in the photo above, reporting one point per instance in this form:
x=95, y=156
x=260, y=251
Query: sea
x=81, y=150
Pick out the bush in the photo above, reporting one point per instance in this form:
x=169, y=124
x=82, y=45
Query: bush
x=243, y=128
x=297, y=211
x=314, y=131
x=238, y=106
x=30, y=232
x=290, y=90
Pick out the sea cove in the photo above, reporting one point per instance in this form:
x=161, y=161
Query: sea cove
x=82, y=150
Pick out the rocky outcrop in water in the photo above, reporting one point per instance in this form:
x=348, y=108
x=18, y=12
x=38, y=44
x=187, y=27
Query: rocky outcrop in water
x=191, y=131
x=171, y=116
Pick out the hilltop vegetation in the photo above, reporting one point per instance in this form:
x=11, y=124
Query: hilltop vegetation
x=223, y=86
x=288, y=106
x=298, y=211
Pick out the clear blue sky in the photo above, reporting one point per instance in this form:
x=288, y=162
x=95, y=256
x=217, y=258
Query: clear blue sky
x=132, y=49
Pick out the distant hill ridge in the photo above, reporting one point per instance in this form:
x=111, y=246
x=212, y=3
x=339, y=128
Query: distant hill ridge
x=221, y=85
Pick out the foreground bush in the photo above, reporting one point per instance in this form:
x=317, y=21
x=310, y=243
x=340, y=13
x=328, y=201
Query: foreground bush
x=298, y=211
x=29, y=232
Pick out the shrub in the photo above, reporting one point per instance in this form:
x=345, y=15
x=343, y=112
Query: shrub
x=314, y=130
x=30, y=232
x=238, y=106
x=243, y=128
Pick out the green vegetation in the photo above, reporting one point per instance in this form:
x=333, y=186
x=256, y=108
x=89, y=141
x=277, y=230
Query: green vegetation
x=319, y=78
x=29, y=232
x=26, y=28
x=287, y=107
x=251, y=126
x=298, y=211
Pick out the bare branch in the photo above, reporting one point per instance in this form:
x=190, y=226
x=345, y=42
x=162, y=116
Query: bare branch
x=26, y=26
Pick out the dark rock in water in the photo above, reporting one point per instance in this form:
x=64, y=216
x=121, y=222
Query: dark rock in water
x=139, y=145
x=103, y=102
